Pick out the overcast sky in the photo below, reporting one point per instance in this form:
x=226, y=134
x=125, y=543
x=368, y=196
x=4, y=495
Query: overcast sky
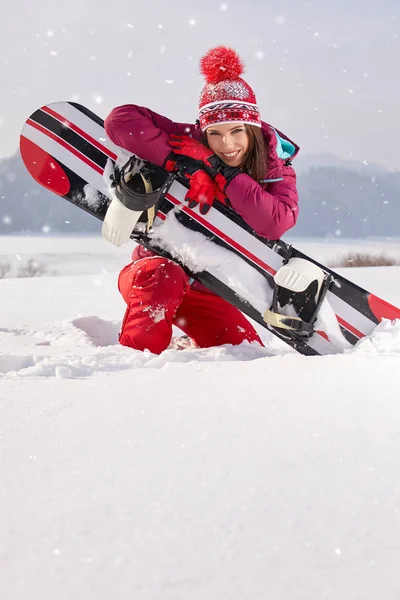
x=326, y=73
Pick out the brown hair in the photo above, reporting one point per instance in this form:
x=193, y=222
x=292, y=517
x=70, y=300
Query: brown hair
x=255, y=160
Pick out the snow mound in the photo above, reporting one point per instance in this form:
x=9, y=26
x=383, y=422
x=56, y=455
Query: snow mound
x=383, y=341
x=112, y=358
x=81, y=331
x=98, y=331
x=12, y=363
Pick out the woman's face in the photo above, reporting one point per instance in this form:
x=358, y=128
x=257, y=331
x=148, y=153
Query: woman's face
x=229, y=142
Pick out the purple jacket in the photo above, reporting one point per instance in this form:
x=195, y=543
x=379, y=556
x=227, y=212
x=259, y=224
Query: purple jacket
x=270, y=210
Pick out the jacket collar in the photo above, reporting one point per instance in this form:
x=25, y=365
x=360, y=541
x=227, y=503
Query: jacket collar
x=280, y=150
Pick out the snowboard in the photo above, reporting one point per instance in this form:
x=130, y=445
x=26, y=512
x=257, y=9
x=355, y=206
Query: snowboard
x=65, y=148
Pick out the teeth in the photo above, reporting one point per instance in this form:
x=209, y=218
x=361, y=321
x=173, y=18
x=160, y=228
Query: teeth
x=231, y=154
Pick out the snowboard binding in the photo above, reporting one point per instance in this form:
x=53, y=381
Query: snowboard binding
x=136, y=189
x=300, y=288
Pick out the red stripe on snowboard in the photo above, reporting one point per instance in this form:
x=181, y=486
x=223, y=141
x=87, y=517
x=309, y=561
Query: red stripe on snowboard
x=382, y=309
x=80, y=132
x=349, y=327
x=44, y=168
x=65, y=145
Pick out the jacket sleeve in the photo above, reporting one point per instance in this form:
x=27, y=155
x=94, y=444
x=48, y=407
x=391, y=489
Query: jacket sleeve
x=270, y=212
x=143, y=132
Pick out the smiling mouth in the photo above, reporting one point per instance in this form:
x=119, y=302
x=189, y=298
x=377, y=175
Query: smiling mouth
x=230, y=154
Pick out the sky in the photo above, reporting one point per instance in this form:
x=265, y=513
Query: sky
x=326, y=73
x=222, y=473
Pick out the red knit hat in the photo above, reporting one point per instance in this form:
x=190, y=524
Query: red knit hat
x=226, y=97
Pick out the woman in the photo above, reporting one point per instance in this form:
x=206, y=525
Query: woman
x=230, y=156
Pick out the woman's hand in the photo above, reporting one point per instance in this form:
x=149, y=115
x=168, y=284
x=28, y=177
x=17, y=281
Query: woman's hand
x=203, y=192
x=203, y=189
x=186, y=146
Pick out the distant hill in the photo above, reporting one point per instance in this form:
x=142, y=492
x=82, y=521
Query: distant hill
x=26, y=206
x=337, y=202
x=334, y=201
x=314, y=161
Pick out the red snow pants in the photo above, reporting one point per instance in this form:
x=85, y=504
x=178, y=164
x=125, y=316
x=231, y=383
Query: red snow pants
x=158, y=295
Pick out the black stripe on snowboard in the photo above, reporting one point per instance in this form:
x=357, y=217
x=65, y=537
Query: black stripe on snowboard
x=88, y=113
x=71, y=137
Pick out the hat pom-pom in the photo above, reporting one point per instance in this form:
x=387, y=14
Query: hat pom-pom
x=221, y=63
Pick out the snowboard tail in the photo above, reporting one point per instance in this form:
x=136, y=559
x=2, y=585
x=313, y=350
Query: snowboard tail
x=65, y=149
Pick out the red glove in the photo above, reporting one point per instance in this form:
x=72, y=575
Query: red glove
x=203, y=190
x=187, y=146
x=183, y=144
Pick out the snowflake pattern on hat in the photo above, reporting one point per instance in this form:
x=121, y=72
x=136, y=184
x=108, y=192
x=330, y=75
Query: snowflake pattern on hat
x=229, y=112
x=236, y=90
x=232, y=90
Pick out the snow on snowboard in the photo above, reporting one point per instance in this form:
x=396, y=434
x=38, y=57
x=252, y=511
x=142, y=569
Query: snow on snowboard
x=314, y=310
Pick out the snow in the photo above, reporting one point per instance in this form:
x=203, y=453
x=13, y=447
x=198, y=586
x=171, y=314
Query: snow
x=199, y=254
x=231, y=472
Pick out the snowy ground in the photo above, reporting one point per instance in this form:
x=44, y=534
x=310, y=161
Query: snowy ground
x=227, y=473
